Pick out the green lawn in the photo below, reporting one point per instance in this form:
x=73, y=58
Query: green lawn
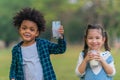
x=64, y=65
x=5, y=60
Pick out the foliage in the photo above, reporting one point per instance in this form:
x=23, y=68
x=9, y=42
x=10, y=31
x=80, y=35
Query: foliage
x=74, y=17
x=8, y=8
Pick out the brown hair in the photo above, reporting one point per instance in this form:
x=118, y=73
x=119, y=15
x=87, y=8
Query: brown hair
x=104, y=34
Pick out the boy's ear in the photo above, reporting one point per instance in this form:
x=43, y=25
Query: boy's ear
x=37, y=34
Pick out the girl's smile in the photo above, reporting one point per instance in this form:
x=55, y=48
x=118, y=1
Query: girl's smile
x=95, y=39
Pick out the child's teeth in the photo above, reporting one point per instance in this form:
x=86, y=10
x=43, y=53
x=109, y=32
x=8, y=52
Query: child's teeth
x=27, y=34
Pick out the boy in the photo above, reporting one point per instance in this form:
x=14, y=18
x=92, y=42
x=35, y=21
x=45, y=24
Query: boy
x=31, y=57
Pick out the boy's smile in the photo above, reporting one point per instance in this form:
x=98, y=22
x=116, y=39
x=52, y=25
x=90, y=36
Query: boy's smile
x=28, y=32
x=27, y=35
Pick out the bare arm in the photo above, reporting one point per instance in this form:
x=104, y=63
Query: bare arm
x=108, y=69
x=83, y=63
x=82, y=67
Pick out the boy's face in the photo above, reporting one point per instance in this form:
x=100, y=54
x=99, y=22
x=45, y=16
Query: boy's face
x=28, y=31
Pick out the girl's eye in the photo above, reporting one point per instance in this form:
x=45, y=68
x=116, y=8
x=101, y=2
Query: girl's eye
x=97, y=38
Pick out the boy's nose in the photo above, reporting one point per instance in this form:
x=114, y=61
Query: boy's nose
x=27, y=30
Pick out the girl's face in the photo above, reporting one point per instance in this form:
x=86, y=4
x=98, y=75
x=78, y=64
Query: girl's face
x=28, y=32
x=94, y=39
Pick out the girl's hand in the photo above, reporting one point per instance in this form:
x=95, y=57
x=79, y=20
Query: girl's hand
x=98, y=58
x=108, y=68
x=89, y=57
x=95, y=55
x=61, y=31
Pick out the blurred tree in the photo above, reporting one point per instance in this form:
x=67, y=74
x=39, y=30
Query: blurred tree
x=59, y=10
x=8, y=8
x=74, y=15
x=105, y=12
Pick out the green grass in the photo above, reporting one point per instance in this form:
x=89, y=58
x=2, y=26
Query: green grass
x=5, y=60
x=64, y=65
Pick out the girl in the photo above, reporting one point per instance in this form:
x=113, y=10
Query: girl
x=95, y=38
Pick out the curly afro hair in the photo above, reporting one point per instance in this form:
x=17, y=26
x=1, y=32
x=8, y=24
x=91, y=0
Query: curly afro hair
x=29, y=14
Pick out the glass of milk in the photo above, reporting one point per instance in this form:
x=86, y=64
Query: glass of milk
x=93, y=62
x=55, y=26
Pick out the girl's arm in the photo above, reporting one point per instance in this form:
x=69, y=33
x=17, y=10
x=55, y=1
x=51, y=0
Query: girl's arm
x=82, y=63
x=82, y=67
x=108, y=67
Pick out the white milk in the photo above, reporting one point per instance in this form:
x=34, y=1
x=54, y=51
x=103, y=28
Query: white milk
x=94, y=62
x=55, y=26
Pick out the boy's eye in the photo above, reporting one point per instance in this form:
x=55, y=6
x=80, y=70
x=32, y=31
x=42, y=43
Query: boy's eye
x=24, y=28
x=90, y=38
x=32, y=29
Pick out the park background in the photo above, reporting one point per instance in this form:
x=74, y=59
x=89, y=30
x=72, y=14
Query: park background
x=74, y=15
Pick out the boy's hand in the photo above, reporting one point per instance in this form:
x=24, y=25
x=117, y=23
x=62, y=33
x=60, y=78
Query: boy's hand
x=61, y=31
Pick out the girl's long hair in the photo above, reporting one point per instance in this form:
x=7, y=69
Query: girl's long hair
x=104, y=34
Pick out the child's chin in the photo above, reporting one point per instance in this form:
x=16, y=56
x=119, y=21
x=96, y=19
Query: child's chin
x=27, y=40
x=93, y=48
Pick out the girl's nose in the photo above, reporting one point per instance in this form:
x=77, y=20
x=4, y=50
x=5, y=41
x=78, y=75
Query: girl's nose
x=94, y=40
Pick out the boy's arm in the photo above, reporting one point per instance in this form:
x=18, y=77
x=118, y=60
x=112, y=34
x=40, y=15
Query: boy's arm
x=60, y=47
x=13, y=67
